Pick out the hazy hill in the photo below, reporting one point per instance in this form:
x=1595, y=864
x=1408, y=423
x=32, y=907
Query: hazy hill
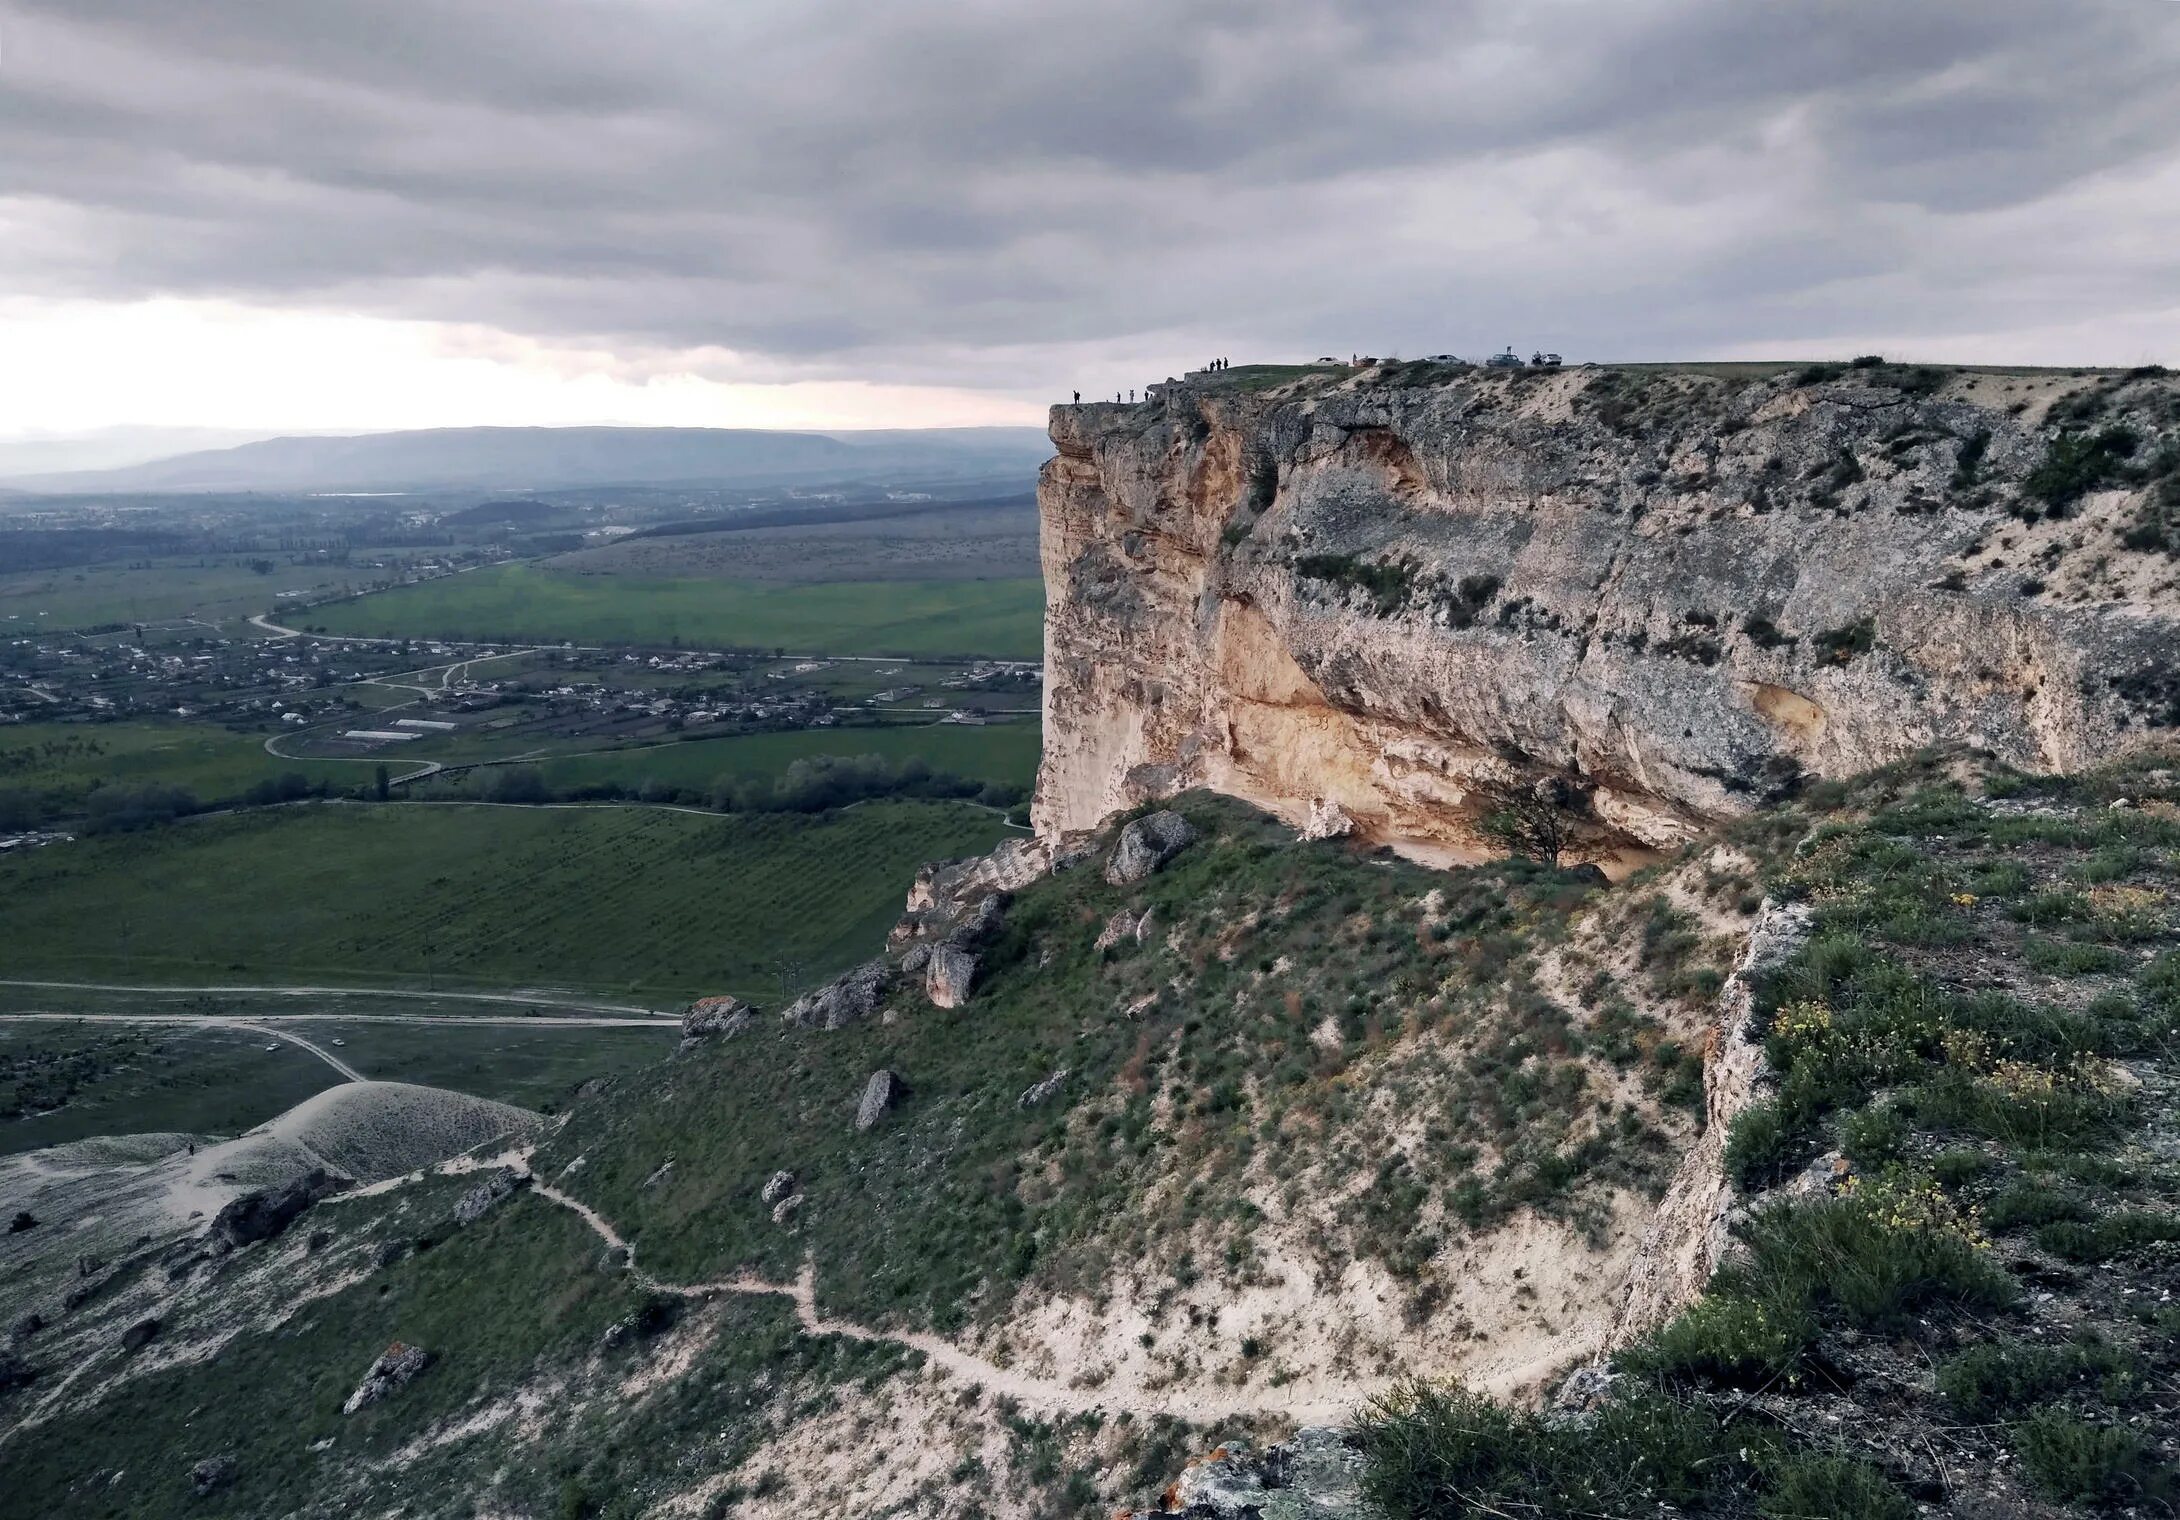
x=533, y=458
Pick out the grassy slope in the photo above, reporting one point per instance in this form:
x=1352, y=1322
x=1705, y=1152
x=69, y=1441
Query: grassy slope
x=934, y=1218
x=995, y=617
x=1986, y=1024
x=70, y=759
x=996, y=752
x=641, y=902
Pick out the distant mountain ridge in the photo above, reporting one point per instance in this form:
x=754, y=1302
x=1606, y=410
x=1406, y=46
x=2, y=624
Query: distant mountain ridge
x=532, y=458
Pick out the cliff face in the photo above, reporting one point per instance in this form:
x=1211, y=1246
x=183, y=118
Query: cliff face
x=1382, y=599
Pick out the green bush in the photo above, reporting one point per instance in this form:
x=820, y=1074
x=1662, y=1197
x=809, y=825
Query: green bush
x=1434, y=1452
x=1761, y=1146
x=2108, y=1236
x=1807, y=1486
x=1867, y=1259
x=2076, y=1461
x=1735, y=1341
x=1873, y=1138
x=2005, y=1377
x=2078, y=463
x=2030, y=1203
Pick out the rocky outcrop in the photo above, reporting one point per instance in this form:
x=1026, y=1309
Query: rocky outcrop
x=884, y=1092
x=715, y=1018
x=211, y=1475
x=399, y=1365
x=846, y=999
x=1039, y=1092
x=265, y=1213
x=487, y=1195
x=948, y=974
x=777, y=1186
x=1686, y=1237
x=1316, y=1475
x=1376, y=600
x=1144, y=845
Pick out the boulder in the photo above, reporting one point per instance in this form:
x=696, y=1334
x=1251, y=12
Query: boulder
x=1125, y=927
x=488, y=1194
x=15, y=1372
x=1032, y=1096
x=1315, y=1475
x=714, y=1018
x=783, y=1212
x=399, y=1365
x=918, y=957
x=265, y=1213
x=1327, y=820
x=846, y=999
x=211, y=1475
x=883, y=1093
x=777, y=1186
x=949, y=975
x=26, y=1326
x=389, y=1252
x=655, y=1316
x=319, y=1240
x=23, y=1220
x=1145, y=845
x=981, y=924
x=139, y=1335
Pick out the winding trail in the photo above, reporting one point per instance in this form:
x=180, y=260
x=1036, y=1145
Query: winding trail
x=1314, y=1406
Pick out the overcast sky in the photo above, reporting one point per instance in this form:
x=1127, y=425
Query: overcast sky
x=393, y=213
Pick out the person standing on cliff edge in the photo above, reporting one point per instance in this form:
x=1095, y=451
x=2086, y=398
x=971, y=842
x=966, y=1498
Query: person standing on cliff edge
x=1078, y=398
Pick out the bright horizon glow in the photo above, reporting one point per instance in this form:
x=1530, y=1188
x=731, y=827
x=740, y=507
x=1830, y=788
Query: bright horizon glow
x=81, y=366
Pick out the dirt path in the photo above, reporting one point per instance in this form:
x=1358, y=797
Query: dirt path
x=291, y=1038
x=1312, y=1406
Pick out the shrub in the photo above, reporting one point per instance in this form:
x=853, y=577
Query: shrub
x=1873, y=1258
x=1838, y=646
x=1873, y=1138
x=1762, y=1147
x=2108, y=1236
x=1839, y=1488
x=1387, y=585
x=2030, y=1203
x=2078, y=463
x=2074, y=1460
x=1434, y=1452
x=2004, y=1377
x=1735, y=1341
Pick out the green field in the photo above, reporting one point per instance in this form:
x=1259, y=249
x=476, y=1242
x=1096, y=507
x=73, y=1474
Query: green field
x=536, y=1068
x=992, y=617
x=210, y=587
x=1004, y=752
x=70, y=759
x=644, y=903
x=139, y=1079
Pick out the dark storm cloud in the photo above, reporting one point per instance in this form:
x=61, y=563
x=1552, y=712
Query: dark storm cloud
x=977, y=192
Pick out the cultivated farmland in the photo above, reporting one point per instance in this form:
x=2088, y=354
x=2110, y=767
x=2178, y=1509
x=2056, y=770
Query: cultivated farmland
x=528, y=602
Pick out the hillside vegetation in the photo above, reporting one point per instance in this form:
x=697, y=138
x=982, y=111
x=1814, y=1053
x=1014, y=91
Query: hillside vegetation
x=1295, y=1131
x=643, y=903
